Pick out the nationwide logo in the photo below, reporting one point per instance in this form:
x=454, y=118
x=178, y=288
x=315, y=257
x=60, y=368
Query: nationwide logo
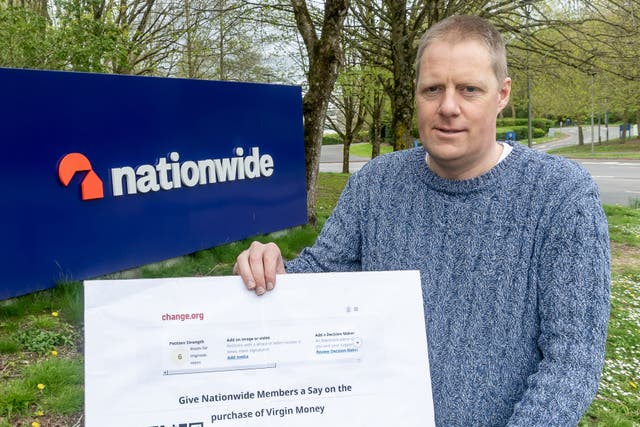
x=91, y=186
x=167, y=174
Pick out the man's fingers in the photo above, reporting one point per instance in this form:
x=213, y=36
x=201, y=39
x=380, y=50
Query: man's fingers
x=256, y=265
x=272, y=262
x=244, y=270
x=259, y=265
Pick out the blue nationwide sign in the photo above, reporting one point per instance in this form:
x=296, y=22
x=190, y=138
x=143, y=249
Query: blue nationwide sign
x=103, y=173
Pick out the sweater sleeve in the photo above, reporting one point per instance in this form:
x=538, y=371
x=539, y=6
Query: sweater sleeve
x=338, y=246
x=573, y=306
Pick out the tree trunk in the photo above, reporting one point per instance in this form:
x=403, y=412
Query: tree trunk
x=375, y=147
x=402, y=92
x=221, y=42
x=349, y=122
x=376, y=124
x=402, y=105
x=580, y=134
x=625, y=123
x=189, y=45
x=325, y=55
x=345, y=151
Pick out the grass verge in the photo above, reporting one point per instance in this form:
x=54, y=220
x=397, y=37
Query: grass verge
x=618, y=401
x=41, y=334
x=613, y=149
x=364, y=149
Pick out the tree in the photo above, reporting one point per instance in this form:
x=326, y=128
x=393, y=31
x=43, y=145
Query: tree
x=348, y=100
x=374, y=101
x=147, y=36
x=324, y=54
x=574, y=46
x=26, y=41
x=390, y=31
x=221, y=42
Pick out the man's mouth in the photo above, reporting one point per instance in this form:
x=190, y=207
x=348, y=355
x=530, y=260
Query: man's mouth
x=448, y=130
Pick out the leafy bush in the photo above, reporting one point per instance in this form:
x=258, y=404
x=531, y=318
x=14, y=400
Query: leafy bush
x=521, y=132
x=41, y=335
x=331, y=139
x=39, y=341
x=510, y=122
x=543, y=124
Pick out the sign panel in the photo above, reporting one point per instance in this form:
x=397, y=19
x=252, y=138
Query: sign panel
x=104, y=172
x=329, y=349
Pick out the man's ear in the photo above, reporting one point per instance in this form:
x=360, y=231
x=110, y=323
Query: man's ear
x=504, y=93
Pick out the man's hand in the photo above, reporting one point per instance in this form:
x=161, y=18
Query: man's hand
x=259, y=265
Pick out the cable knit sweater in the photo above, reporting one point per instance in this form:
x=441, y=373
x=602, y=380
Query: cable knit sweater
x=515, y=278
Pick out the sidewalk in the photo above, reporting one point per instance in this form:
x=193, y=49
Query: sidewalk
x=331, y=159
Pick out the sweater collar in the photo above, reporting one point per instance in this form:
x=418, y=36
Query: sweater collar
x=468, y=185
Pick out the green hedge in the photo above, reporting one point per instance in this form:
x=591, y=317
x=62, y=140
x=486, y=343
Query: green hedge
x=334, y=139
x=522, y=132
x=543, y=124
x=331, y=139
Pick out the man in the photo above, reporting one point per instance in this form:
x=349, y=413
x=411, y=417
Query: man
x=512, y=245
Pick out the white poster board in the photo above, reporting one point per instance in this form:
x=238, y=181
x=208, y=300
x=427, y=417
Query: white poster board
x=330, y=349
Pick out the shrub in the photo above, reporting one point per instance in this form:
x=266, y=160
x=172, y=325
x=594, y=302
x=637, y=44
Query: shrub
x=331, y=139
x=41, y=334
x=521, y=132
x=510, y=122
x=543, y=124
x=363, y=136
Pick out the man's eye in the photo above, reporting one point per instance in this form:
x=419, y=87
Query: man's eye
x=470, y=89
x=431, y=90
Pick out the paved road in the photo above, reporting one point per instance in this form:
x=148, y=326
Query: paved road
x=618, y=181
x=572, y=136
x=331, y=159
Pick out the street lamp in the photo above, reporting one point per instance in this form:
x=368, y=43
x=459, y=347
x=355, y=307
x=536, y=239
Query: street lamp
x=529, y=113
x=592, y=106
x=606, y=120
x=527, y=9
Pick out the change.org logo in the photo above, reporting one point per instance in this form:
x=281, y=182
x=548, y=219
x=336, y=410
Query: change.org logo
x=167, y=174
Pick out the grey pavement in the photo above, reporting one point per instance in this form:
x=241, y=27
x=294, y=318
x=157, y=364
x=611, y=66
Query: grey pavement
x=572, y=136
x=331, y=159
x=617, y=180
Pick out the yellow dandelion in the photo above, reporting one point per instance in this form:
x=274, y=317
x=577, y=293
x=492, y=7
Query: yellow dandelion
x=39, y=413
x=633, y=385
x=41, y=386
x=54, y=353
x=54, y=313
x=35, y=424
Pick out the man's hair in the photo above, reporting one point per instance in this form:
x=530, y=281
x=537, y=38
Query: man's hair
x=455, y=29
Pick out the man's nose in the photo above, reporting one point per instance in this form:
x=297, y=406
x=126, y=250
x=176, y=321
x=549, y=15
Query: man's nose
x=449, y=104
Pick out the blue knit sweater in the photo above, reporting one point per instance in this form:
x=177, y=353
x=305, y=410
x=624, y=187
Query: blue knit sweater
x=515, y=278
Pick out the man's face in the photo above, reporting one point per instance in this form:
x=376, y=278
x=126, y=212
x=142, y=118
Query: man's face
x=458, y=98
